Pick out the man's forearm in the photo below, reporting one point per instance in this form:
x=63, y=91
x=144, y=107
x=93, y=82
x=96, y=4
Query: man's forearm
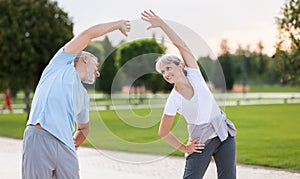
x=102, y=29
x=80, y=136
x=80, y=42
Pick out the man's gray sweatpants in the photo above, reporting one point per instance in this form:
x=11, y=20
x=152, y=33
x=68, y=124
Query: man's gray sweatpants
x=224, y=155
x=45, y=157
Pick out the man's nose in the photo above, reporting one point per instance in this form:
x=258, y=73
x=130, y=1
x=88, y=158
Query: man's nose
x=97, y=74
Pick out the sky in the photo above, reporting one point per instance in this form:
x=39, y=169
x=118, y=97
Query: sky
x=241, y=22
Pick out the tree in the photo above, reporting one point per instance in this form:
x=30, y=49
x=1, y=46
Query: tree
x=31, y=32
x=262, y=63
x=241, y=65
x=137, y=59
x=288, y=45
x=96, y=49
x=206, y=66
x=108, y=67
x=225, y=61
x=157, y=83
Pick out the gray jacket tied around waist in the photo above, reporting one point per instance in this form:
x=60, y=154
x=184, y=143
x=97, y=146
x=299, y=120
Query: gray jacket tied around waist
x=219, y=125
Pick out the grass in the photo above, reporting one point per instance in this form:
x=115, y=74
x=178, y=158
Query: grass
x=273, y=88
x=268, y=135
x=134, y=130
x=12, y=125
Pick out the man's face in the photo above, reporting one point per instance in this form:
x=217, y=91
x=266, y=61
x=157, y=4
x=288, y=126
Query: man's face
x=91, y=71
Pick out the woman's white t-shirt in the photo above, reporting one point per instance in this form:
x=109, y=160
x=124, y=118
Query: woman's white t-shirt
x=200, y=108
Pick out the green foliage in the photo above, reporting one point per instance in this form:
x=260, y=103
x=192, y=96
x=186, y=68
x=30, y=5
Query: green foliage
x=241, y=67
x=31, y=32
x=136, y=61
x=288, y=45
x=207, y=67
x=255, y=67
x=156, y=83
x=96, y=49
x=108, y=68
x=226, y=64
x=225, y=61
x=289, y=66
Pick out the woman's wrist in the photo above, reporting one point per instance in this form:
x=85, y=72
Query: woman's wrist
x=184, y=148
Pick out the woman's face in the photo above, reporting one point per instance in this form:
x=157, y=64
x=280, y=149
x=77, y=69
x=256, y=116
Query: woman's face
x=171, y=72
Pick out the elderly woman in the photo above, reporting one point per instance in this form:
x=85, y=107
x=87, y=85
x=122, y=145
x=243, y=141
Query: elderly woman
x=211, y=133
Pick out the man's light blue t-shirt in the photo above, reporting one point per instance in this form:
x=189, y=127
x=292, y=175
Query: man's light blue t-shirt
x=60, y=99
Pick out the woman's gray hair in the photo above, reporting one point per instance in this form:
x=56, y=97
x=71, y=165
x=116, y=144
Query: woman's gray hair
x=167, y=59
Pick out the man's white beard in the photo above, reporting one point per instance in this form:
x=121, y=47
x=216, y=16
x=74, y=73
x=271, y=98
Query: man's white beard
x=90, y=77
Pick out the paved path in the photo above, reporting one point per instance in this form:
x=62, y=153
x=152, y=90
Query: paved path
x=96, y=164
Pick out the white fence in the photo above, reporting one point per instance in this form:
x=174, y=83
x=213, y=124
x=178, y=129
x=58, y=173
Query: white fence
x=223, y=99
x=158, y=100
x=235, y=99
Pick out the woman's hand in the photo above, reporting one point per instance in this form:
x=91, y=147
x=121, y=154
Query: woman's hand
x=194, y=146
x=152, y=18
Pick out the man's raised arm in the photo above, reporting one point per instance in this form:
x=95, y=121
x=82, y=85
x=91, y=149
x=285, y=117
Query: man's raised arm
x=80, y=42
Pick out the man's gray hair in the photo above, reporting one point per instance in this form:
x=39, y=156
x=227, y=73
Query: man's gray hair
x=85, y=54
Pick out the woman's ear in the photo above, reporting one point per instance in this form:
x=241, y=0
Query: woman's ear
x=181, y=65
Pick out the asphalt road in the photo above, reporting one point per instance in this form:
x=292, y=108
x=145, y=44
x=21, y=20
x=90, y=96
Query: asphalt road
x=96, y=164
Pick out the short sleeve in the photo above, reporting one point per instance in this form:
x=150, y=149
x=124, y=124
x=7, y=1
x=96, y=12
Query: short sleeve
x=173, y=104
x=80, y=102
x=63, y=58
x=83, y=116
x=194, y=73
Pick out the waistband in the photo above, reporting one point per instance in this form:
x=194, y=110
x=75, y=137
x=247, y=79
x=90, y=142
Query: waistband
x=40, y=131
x=219, y=124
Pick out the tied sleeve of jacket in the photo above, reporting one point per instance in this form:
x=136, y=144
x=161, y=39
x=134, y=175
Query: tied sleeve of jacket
x=223, y=126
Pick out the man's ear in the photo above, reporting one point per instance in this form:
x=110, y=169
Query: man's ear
x=84, y=59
